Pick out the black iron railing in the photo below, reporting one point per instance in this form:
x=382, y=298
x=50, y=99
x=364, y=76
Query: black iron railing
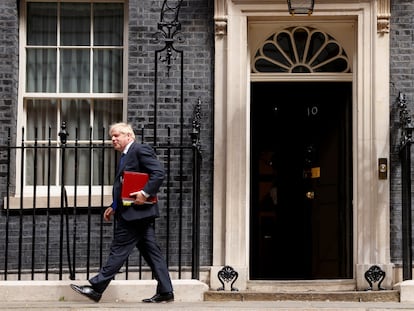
x=406, y=128
x=55, y=190
x=53, y=224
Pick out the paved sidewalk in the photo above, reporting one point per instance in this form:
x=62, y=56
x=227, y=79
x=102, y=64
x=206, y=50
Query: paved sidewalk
x=210, y=305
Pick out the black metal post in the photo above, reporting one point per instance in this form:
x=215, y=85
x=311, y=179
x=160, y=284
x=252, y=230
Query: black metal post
x=195, y=138
x=405, y=154
x=405, y=157
x=22, y=159
x=6, y=252
x=169, y=32
x=49, y=162
x=35, y=152
x=63, y=139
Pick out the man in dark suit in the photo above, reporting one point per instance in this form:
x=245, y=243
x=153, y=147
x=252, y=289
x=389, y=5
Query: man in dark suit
x=135, y=223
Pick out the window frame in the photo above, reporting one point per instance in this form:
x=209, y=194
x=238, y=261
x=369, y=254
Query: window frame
x=23, y=96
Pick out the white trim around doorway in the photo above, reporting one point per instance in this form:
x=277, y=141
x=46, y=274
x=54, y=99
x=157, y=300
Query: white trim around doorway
x=370, y=78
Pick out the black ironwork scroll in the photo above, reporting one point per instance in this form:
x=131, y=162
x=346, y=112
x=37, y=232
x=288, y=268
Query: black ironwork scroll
x=227, y=274
x=374, y=275
x=169, y=31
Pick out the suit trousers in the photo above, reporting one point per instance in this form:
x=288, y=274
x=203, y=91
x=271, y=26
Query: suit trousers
x=128, y=234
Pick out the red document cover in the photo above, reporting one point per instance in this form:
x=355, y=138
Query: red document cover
x=133, y=182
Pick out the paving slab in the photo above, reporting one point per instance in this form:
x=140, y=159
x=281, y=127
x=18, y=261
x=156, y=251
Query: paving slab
x=210, y=305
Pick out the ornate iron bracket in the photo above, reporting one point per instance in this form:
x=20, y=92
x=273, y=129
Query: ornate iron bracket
x=373, y=275
x=227, y=274
x=169, y=31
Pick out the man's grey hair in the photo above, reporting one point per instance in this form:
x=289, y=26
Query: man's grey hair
x=123, y=128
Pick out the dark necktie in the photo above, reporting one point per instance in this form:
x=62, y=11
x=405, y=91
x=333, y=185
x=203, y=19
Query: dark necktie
x=121, y=162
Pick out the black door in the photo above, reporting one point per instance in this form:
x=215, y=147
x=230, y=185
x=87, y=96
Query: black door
x=301, y=180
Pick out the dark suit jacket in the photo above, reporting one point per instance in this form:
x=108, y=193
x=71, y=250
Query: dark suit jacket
x=140, y=158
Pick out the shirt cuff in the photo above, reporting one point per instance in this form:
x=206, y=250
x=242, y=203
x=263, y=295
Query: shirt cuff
x=145, y=194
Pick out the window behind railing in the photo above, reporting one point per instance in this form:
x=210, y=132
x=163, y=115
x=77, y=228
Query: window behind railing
x=73, y=63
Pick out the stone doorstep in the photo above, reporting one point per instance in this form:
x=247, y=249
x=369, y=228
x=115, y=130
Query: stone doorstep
x=187, y=291
x=118, y=291
x=348, y=296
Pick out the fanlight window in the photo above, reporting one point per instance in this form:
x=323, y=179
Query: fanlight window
x=300, y=50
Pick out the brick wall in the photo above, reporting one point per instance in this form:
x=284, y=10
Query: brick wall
x=9, y=51
x=402, y=80
x=196, y=18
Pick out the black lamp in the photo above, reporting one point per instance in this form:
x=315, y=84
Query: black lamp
x=300, y=6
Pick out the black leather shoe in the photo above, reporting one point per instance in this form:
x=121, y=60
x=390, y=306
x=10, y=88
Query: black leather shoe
x=165, y=297
x=87, y=291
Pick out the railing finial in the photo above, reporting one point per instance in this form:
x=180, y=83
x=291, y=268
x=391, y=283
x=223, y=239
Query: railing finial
x=63, y=134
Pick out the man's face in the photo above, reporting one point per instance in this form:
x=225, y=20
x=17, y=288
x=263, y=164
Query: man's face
x=120, y=140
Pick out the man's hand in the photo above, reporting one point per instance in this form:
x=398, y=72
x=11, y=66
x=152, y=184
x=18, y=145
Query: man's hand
x=139, y=197
x=108, y=213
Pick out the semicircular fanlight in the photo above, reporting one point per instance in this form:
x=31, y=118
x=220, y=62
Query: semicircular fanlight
x=300, y=50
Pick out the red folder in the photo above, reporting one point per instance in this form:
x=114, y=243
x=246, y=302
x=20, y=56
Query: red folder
x=133, y=182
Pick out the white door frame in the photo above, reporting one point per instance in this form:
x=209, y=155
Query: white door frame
x=370, y=79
